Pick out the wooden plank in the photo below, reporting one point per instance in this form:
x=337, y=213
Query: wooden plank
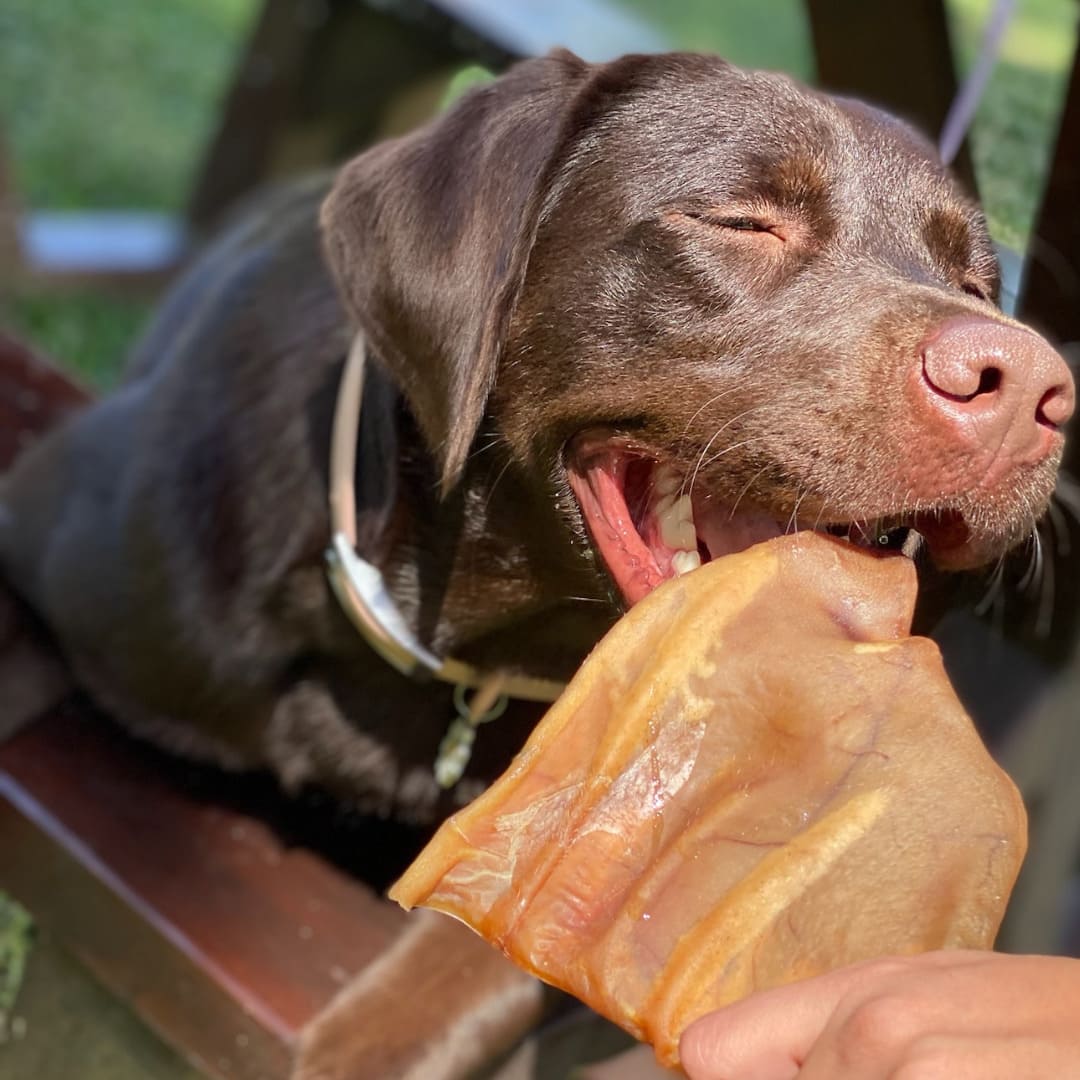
x=312, y=85
x=34, y=395
x=223, y=939
x=118, y=242
x=319, y=81
x=257, y=104
x=893, y=55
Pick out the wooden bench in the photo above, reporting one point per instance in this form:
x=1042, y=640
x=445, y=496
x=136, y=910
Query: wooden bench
x=311, y=89
x=226, y=939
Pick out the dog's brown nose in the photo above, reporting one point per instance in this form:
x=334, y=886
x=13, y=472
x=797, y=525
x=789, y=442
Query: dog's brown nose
x=997, y=389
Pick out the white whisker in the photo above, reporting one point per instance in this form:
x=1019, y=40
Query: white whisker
x=1031, y=572
x=495, y=483
x=712, y=401
x=689, y=490
x=1044, y=617
x=1060, y=526
x=749, y=485
x=793, y=520
x=993, y=589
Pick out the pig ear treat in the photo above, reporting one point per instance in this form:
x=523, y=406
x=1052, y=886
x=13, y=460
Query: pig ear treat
x=757, y=776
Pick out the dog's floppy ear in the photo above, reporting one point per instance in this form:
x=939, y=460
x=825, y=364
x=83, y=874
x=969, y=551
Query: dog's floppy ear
x=429, y=236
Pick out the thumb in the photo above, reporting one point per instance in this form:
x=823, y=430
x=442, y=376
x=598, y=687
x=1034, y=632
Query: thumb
x=768, y=1035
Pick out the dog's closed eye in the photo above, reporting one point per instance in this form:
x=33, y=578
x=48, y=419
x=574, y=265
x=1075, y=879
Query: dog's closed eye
x=743, y=227
x=743, y=224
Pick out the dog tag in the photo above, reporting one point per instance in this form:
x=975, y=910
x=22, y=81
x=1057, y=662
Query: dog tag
x=456, y=747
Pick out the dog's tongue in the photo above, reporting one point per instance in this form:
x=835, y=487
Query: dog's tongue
x=757, y=776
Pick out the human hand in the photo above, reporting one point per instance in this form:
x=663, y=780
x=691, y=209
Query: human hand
x=954, y=1015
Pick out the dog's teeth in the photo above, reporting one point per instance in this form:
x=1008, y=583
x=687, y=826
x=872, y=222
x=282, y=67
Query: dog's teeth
x=666, y=480
x=675, y=516
x=912, y=544
x=682, y=562
x=677, y=525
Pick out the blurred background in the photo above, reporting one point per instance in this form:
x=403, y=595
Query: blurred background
x=128, y=128
x=116, y=106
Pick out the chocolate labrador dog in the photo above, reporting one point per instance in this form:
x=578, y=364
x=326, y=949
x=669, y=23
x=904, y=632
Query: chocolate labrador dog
x=621, y=318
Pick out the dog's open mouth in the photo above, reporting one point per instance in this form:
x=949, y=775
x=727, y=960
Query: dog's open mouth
x=650, y=521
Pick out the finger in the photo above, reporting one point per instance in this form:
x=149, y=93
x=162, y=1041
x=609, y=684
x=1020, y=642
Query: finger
x=873, y=1030
x=767, y=1035
x=984, y=1058
x=770, y=1034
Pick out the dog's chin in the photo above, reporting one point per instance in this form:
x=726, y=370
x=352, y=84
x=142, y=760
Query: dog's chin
x=649, y=519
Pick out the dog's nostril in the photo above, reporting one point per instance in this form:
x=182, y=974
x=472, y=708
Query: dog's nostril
x=1055, y=407
x=1008, y=382
x=989, y=381
x=960, y=378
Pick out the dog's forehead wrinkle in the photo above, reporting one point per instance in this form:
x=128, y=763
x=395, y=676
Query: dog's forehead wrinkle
x=887, y=176
x=671, y=129
x=873, y=190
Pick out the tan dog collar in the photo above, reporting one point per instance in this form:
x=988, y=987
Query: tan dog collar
x=365, y=599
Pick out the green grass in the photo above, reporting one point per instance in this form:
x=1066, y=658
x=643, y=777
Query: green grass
x=754, y=33
x=16, y=933
x=108, y=105
x=89, y=332
x=1012, y=141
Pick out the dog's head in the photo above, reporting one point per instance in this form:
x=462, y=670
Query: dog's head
x=710, y=304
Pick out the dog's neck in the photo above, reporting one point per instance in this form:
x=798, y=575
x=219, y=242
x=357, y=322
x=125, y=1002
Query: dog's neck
x=479, y=573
